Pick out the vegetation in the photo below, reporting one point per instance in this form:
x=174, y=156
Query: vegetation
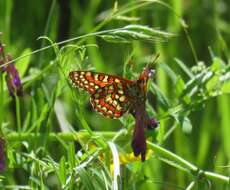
x=51, y=138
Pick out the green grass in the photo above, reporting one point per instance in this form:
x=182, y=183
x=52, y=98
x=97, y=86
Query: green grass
x=54, y=140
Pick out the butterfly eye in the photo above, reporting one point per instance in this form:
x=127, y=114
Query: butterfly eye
x=151, y=72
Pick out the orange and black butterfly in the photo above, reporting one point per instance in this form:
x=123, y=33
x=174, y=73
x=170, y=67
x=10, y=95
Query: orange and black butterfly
x=112, y=96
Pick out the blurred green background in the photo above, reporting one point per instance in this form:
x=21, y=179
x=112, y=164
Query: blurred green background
x=48, y=105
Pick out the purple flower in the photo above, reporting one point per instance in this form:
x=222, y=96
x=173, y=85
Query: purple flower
x=12, y=78
x=139, y=140
x=151, y=123
x=142, y=122
x=1, y=48
x=2, y=155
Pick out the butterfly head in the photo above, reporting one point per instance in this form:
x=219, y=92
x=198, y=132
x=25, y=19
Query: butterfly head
x=144, y=77
x=147, y=73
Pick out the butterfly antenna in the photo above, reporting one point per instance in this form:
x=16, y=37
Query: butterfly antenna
x=153, y=59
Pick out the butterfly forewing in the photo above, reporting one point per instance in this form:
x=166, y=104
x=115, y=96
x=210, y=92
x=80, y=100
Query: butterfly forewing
x=92, y=81
x=109, y=94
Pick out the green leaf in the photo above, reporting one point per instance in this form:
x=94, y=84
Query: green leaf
x=217, y=65
x=180, y=86
x=62, y=171
x=161, y=98
x=71, y=156
x=184, y=68
x=101, y=180
x=225, y=88
x=23, y=64
x=184, y=122
x=11, y=158
x=186, y=125
x=212, y=83
x=86, y=179
x=168, y=71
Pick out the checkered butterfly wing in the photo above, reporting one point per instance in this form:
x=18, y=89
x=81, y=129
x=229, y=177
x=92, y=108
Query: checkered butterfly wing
x=109, y=95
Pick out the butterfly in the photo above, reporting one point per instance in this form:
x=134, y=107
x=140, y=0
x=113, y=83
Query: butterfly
x=112, y=96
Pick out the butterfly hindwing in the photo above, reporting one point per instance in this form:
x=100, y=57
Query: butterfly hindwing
x=111, y=101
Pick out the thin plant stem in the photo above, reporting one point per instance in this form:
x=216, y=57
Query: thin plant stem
x=18, y=117
x=1, y=102
x=184, y=163
x=184, y=26
x=51, y=11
